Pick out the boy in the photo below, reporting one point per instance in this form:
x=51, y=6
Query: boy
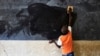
x=65, y=41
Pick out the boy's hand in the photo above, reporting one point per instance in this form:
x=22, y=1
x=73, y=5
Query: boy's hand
x=51, y=41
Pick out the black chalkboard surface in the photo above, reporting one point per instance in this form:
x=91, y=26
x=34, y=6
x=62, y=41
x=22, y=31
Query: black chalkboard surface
x=87, y=24
x=43, y=20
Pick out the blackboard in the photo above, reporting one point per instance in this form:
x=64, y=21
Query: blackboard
x=86, y=26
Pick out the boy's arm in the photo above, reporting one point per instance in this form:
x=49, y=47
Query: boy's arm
x=58, y=43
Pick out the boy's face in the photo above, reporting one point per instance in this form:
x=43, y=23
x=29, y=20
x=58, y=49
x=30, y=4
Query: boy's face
x=64, y=30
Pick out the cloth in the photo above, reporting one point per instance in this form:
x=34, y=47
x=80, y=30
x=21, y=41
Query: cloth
x=59, y=41
x=65, y=41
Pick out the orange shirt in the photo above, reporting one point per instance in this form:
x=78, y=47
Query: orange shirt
x=66, y=43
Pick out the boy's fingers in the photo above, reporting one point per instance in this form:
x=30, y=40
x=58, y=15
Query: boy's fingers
x=70, y=7
x=51, y=41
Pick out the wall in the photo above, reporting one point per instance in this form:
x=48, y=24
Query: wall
x=43, y=48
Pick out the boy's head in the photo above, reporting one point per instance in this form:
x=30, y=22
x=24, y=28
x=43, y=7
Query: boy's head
x=64, y=29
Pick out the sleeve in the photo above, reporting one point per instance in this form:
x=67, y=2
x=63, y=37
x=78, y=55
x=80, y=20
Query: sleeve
x=69, y=28
x=59, y=42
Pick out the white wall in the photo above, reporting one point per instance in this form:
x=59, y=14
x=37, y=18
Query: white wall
x=28, y=48
x=43, y=48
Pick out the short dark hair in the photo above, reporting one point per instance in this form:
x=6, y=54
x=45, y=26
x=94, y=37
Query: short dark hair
x=64, y=29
